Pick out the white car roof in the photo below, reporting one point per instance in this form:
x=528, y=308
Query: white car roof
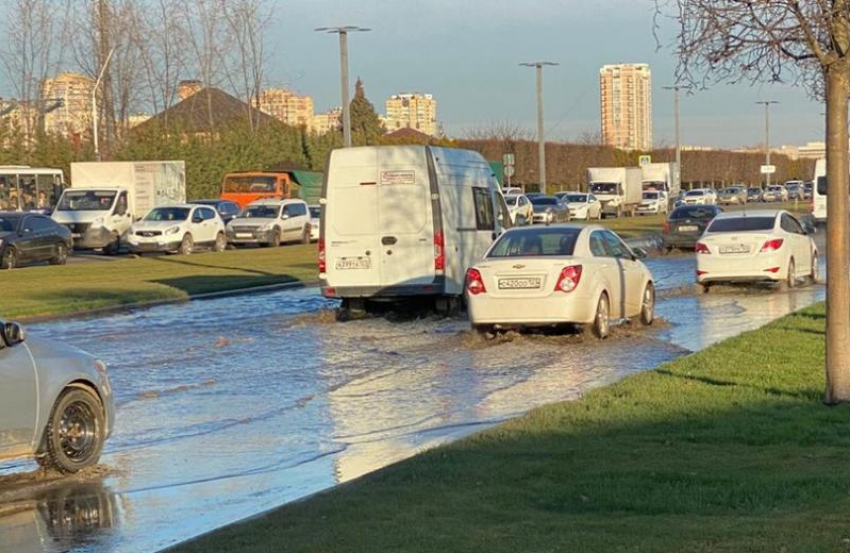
x=184, y=206
x=750, y=213
x=272, y=201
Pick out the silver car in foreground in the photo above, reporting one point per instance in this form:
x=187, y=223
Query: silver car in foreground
x=56, y=403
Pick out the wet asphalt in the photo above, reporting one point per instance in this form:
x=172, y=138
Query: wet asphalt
x=233, y=406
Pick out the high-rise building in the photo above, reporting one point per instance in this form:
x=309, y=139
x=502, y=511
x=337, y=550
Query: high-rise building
x=324, y=123
x=413, y=111
x=625, y=98
x=288, y=107
x=74, y=94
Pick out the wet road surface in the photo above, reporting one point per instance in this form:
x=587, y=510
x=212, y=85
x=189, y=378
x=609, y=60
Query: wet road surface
x=230, y=407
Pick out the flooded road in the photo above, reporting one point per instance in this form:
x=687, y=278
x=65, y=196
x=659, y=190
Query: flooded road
x=230, y=407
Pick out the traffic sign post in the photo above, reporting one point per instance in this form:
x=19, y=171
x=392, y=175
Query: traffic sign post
x=768, y=169
x=644, y=160
x=508, y=162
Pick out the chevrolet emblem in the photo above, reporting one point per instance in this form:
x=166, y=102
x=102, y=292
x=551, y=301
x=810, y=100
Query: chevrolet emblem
x=519, y=266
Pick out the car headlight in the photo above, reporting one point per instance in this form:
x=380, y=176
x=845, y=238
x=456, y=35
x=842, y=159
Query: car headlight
x=266, y=227
x=98, y=222
x=172, y=230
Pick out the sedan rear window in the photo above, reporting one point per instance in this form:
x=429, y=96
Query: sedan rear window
x=695, y=193
x=694, y=212
x=741, y=224
x=533, y=242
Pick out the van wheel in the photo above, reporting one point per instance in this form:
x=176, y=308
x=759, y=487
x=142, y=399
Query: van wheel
x=484, y=329
x=9, y=259
x=647, y=306
x=187, y=245
x=113, y=247
x=447, y=306
x=61, y=256
x=351, y=310
x=601, y=325
x=75, y=431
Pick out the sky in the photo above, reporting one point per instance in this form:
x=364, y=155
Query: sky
x=466, y=53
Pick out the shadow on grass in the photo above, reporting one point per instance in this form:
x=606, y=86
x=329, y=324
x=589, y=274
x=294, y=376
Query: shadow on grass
x=203, y=284
x=808, y=395
x=186, y=262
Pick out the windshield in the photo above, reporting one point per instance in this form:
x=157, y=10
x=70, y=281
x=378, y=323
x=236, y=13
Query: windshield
x=731, y=190
x=650, y=195
x=8, y=224
x=695, y=193
x=740, y=224
x=168, y=214
x=576, y=198
x=754, y=190
x=774, y=188
x=86, y=200
x=544, y=200
x=536, y=241
x=693, y=212
x=315, y=212
x=260, y=212
x=511, y=200
x=603, y=187
x=263, y=185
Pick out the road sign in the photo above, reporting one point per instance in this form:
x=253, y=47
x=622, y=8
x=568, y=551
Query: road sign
x=644, y=160
x=509, y=170
x=508, y=159
x=768, y=169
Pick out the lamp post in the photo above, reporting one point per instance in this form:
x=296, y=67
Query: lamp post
x=541, y=139
x=676, y=89
x=94, y=104
x=766, y=104
x=343, y=70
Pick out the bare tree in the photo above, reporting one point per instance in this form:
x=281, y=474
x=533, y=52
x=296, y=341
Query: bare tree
x=803, y=42
x=503, y=131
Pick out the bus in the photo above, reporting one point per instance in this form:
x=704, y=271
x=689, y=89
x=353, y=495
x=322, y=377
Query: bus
x=244, y=187
x=24, y=188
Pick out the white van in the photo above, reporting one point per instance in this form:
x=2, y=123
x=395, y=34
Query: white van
x=819, y=192
x=405, y=222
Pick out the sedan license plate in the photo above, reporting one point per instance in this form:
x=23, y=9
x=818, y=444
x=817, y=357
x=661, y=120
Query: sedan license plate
x=345, y=263
x=519, y=283
x=688, y=228
x=738, y=248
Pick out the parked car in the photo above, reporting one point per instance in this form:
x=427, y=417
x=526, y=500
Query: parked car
x=581, y=205
x=227, y=210
x=808, y=190
x=549, y=209
x=699, y=196
x=511, y=191
x=315, y=221
x=775, y=193
x=543, y=276
x=271, y=223
x=56, y=402
x=652, y=203
x=794, y=189
x=754, y=194
x=532, y=195
x=179, y=229
x=756, y=246
x=520, y=208
x=733, y=195
x=686, y=224
x=26, y=237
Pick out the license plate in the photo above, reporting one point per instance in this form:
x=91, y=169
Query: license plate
x=519, y=283
x=244, y=235
x=76, y=235
x=688, y=228
x=345, y=263
x=740, y=248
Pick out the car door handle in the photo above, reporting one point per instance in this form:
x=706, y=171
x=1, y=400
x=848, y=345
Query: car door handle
x=389, y=240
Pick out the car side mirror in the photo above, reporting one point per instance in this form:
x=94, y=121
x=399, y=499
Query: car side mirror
x=639, y=253
x=285, y=217
x=13, y=334
x=197, y=219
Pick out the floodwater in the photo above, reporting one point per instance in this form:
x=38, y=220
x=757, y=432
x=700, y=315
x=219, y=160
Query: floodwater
x=230, y=407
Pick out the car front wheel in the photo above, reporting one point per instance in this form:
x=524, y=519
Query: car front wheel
x=186, y=245
x=9, y=260
x=75, y=431
x=647, y=306
x=220, y=242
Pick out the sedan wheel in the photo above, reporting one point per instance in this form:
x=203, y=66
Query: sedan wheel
x=815, y=274
x=9, y=259
x=602, y=322
x=61, y=256
x=75, y=431
x=647, y=308
x=791, y=279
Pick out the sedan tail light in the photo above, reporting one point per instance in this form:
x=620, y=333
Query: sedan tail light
x=701, y=248
x=772, y=245
x=322, y=264
x=475, y=283
x=569, y=279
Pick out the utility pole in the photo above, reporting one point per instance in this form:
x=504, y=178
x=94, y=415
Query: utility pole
x=766, y=104
x=94, y=113
x=343, y=73
x=676, y=89
x=541, y=139
x=104, y=24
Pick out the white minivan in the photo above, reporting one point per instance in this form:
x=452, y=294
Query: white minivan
x=405, y=222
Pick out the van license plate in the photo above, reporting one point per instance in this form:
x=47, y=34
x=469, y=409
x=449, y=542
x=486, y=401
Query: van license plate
x=519, y=283
x=688, y=228
x=740, y=248
x=345, y=263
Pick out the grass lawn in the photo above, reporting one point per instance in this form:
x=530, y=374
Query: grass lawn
x=46, y=290
x=726, y=450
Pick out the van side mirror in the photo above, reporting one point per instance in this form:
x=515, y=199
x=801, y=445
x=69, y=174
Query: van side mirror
x=13, y=334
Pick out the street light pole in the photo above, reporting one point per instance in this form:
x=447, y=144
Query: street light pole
x=676, y=89
x=541, y=139
x=767, y=136
x=94, y=104
x=343, y=74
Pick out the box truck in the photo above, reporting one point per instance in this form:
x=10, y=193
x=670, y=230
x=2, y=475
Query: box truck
x=661, y=177
x=105, y=198
x=619, y=189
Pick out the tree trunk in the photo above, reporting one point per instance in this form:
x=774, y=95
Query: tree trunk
x=838, y=246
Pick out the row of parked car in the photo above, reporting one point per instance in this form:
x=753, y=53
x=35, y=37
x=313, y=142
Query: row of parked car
x=739, y=194
x=533, y=207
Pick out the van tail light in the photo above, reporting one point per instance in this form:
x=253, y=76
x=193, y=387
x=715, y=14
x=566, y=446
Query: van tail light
x=569, y=279
x=322, y=263
x=439, y=252
x=772, y=245
x=475, y=283
x=665, y=227
x=701, y=248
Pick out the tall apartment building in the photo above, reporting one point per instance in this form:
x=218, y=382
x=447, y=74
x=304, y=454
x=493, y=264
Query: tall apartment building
x=412, y=110
x=324, y=123
x=288, y=107
x=625, y=98
x=73, y=116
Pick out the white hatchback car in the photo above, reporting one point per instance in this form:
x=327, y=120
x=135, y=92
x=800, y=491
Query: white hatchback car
x=559, y=274
x=178, y=228
x=520, y=208
x=756, y=246
x=652, y=202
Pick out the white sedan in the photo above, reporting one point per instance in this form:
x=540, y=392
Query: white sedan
x=559, y=274
x=756, y=246
x=582, y=206
x=699, y=196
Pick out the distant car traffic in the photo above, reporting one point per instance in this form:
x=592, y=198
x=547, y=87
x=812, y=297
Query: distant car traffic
x=808, y=190
x=549, y=209
x=56, y=402
x=520, y=208
x=775, y=193
x=559, y=274
x=794, y=189
x=699, y=196
x=754, y=194
x=756, y=246
x=271, y=223
x=652, y=203
x=686, y=224
x=26, y=237
x=581, y=206
x=733, y=195
x=179, y=229
x=226, y=209
x=315, y=221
